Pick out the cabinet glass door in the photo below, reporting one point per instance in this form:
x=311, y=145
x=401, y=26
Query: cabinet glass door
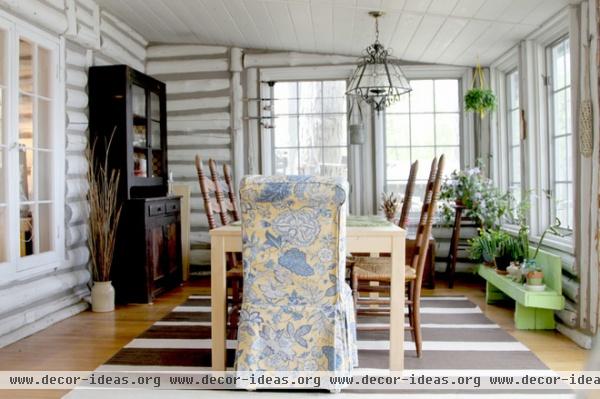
x=140, y=131
x=155, y=135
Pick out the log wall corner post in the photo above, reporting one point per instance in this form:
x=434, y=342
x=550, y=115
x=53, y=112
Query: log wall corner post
x=237, y=111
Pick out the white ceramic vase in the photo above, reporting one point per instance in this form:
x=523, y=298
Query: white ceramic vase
x=103, y=296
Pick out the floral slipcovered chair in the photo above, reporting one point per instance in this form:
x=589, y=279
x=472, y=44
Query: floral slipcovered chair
x=297, y=311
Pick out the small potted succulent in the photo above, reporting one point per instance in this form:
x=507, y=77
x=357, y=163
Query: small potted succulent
x=389, y=205
x=533, y=271
x=535, y=275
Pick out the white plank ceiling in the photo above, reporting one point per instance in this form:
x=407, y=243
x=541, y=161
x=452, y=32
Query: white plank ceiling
x=433, y=31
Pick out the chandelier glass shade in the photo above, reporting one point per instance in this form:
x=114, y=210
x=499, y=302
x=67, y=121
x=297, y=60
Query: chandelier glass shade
x=378, y=78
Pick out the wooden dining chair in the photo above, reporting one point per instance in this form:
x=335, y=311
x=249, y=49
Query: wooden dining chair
x=216, y=202
x=404, y=213
x=408, y=194
x=224, y=194
x=368, y=270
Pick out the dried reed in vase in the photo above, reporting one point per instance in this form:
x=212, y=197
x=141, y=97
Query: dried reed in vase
x=105, y=210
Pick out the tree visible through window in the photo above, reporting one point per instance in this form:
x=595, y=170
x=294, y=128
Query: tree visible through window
x=561, y=135
x=310, y=135
x=424, y=124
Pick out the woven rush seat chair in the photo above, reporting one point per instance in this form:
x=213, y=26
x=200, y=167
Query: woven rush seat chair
x=402, y=222
x=215, y=201
x=368, y=270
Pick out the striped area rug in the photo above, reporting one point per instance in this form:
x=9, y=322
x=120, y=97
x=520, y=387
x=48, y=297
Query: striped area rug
x=456, y=335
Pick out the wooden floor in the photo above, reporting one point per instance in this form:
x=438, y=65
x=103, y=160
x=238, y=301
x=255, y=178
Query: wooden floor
x=87, y=340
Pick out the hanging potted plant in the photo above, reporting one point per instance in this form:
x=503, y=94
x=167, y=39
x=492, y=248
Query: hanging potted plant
x=105, y=211
x=480, y=99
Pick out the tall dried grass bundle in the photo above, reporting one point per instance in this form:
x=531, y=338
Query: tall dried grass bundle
x=105, y=211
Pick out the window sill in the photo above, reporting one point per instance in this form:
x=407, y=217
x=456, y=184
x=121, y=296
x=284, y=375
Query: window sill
x=562, y=244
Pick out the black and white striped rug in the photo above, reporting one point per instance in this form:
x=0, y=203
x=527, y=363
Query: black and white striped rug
x=456, y=336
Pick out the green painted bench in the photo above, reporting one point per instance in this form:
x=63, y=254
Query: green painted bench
x=533, y=310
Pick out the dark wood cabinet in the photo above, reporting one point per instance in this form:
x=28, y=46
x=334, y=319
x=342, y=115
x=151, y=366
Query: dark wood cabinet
x=133, y=105
x=149, y=249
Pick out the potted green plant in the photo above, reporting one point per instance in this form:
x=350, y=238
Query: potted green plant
x=495, y=248
x=479, y=98
x=483, y=248
x=504, y=251
x=473, y=190
x=389, y=205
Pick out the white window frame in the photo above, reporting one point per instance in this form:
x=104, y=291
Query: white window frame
x=435, y=72
x=322, y=114
x=365, y=185
x=359, y=198
x=434, y=146
x=292, y=74
x=500, y=69
x=17, y=266
x=508, y=117
x=535, y=149
x=551, y=130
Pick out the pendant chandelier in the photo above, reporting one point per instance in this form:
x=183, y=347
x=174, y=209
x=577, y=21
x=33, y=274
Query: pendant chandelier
x=378, y=79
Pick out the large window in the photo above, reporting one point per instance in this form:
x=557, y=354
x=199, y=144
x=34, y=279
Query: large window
x=35, y=149
x=561, y=133
x=514, y=133
x=310, y=135
x=30, y=228
x=424, y=124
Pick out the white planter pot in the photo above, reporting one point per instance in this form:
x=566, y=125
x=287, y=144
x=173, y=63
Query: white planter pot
x=103, y=296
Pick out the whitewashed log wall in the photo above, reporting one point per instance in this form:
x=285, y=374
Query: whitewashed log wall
x=90, y=36
x=199, y=120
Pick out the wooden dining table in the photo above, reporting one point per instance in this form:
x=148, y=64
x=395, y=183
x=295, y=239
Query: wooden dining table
x=363, y=234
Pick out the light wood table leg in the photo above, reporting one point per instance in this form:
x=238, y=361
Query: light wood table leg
x=397, y=305
x=218, y=300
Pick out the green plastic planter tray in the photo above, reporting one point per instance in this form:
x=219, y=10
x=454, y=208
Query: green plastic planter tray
x=533, y=310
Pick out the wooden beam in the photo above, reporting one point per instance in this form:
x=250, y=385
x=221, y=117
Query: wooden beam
x=292, y=58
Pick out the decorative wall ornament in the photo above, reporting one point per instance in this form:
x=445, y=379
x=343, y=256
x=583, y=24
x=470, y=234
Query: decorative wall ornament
x=378, y=78
x=586, y=140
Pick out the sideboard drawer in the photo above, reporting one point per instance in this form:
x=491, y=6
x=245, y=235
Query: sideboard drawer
x=172, y=206
x=155, y=209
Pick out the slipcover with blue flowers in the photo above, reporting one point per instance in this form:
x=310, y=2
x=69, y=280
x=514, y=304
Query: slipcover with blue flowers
x=297, y=311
